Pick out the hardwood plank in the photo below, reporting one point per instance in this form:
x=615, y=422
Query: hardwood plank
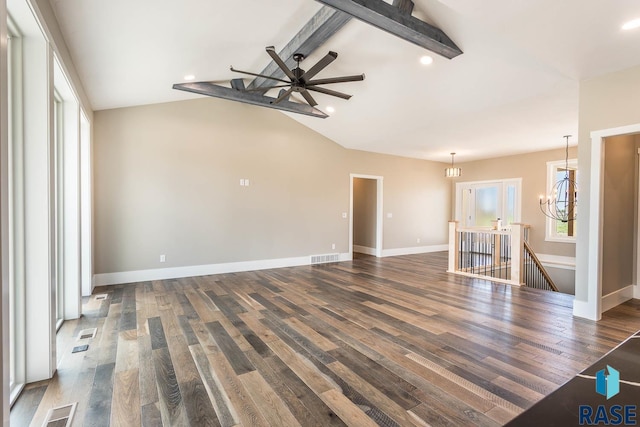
x=301, y=400
x=267, y=401
x=148, y=380
x=234, y=354
x=26, y=405
x=125, y=409
x=169, y=397
x=224, y=411
x=198, y=407
x=158, y=339
x=99, y=410
x=377, y=397
x=348, y=411
x=127, y=351
x=242, y=405
x=151, y=416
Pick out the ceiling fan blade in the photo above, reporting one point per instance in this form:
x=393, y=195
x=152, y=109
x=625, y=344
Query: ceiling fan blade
x=284, y=95
x=276, y=58
x=320, y=65
x=257, y=75
x=330, y=80
x=329, y=92
x=307, y=96
x=265, y=88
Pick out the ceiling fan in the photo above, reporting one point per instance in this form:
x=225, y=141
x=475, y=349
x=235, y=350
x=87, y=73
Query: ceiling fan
x=301, y=81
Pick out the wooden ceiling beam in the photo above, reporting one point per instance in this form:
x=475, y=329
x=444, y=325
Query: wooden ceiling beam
x=394, y=19
x=314, y=34
x=216, y=91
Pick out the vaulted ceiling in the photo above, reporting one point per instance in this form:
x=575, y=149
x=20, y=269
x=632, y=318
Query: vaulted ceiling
x=515, y=88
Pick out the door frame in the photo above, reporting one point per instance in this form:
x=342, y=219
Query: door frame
x=589, y=264
x=379, y=204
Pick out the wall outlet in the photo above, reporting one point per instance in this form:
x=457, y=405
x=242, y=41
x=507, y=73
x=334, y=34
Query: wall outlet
x=242, y=182
x=344, y=215
x=163, y=258
x=389, y=215
x=418, y=240
x=333, y=246
x=246, y=182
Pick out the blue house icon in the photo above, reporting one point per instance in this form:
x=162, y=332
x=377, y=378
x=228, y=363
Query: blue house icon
x=608, y=385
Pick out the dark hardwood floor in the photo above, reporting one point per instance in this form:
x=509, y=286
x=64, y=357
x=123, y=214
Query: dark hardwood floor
x=394, y=341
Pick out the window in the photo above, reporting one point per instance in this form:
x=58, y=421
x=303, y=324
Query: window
x=58, y=126
x=566, y=200
x=16, y=210
x=479, y=204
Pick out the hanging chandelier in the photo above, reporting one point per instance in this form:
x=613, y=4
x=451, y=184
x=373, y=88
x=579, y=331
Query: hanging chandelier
x=561, y=203
x=452, y=172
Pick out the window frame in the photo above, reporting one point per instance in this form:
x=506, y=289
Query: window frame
x=552, y=171
x=503, y=184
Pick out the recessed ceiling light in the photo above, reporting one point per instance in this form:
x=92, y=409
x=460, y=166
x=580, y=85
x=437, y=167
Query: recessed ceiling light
x=426, y=60
x=189, y=77
x=631, y=24
x=330, y=109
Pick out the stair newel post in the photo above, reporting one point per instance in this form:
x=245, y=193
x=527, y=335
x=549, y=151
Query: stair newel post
x=453, y=246
x=517, y=253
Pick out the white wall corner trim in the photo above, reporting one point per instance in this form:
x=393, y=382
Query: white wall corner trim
x=123, y=277
x=585, y=310
x=557, y=261
x=414, y=250
x=364, y=250
x=616, y=298
x=636, y=292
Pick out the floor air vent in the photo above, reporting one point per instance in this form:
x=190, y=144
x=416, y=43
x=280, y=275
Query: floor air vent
x=87, y=333
x=101, y=297
x=322, y=259
x=60, y=416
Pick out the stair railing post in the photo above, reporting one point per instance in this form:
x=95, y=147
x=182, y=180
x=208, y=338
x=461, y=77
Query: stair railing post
x=517, y=253
x=453, y=246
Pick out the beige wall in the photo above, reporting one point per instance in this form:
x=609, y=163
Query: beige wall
x=606, y=102
x=532, y=168
x=167, y=182
x=619, y=207
x=364, y=212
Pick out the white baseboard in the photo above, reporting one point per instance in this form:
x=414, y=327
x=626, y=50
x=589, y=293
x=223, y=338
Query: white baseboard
x=414, y=250
x=364, y=250
x=105, y=279
x=557, y=261
x=585, y=310
x=616, y=298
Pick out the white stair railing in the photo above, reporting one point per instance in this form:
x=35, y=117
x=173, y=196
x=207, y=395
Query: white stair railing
x=488, y=253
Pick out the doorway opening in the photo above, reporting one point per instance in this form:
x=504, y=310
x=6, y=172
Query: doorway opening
x=365, y=226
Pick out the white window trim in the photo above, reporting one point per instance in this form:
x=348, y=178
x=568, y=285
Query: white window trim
x=552, y=167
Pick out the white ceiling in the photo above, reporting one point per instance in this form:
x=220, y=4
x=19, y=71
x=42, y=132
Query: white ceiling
x=515, y=88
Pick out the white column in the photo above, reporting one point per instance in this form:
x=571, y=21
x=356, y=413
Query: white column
x=86, y=204
x=453, y=246
x=517, y=252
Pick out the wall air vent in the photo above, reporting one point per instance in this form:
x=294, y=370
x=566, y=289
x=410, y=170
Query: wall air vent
x=60, y=416
x=323, y=259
